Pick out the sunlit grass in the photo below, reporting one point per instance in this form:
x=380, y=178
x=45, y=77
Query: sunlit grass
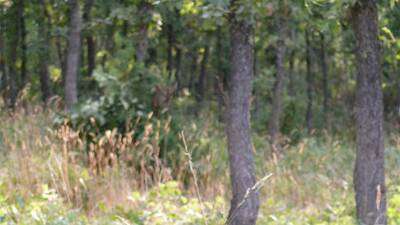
x=47, y=177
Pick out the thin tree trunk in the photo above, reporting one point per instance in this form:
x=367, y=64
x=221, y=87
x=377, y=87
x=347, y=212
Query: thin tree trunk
x=90, y=42
x=3, y=69
x=22, y=39
x=44, y=30
x=74, y=49
x=291, y=86
x=310, y=84
x=193, y=69
x=242, y=211
x=324, y=68
x=61, y=58
x=220, y=76
x=109, y=44
x=171, y=42
x=201, y=84
x=12, y=55
x=277, y=100
x=178, y=72
x=142, y=40
x=369, y=175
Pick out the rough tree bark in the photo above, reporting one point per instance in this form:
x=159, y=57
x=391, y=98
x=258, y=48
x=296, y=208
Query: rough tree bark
x=310, y=84
x=44, y=30
x=369, y=175
x=90, y=42
x=277, y=100
x=242, y=211
x=73, y=56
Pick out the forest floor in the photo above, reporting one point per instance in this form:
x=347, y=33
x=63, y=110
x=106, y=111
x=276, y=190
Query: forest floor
x=44, y=179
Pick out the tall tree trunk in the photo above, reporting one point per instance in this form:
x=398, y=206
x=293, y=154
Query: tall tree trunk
x=193, y=69
x=13, y=40
x=369, y=175
x=277, y=100
x=397, y=96
x=3, y=70
x=143, y=26
x=242, y=211
x=324, y=68
x=90, y=42
x=23, y=47
x=178, y=72
x=61, y=52
x=44, y=30
x=170, y=48
x=291, y=86
x=220, y=76
x=201, y=83
x=109, y=43
x=310, y=84
x=73, y=56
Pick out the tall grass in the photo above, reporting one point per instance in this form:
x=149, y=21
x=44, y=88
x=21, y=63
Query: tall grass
x=50, y=173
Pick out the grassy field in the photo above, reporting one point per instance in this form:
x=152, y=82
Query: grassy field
x=47, y=176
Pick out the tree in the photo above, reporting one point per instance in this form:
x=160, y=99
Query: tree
x=44, y=30
x=13, y=37
x=310, y=83
x=144, y=12
x=369, y=175
x=242, y=211
x=90, y=41
x=324, y=69
x=277, y=100
x=73, y=56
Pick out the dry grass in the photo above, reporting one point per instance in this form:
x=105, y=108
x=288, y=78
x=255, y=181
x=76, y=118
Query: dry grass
x=104, y=171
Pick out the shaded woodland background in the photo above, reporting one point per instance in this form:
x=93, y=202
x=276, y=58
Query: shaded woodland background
x=121, y=112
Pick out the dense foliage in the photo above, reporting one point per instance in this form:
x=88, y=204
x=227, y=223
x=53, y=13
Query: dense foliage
x=114, y=112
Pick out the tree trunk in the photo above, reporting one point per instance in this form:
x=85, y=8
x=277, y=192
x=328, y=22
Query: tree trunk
x=3, y=70
x=201, y=83
x=277, y=100
x=170, y=47
x=324, y=68
x=13, y=40
x=220, y=76
x=74, y=49
x=22, y=39
x=291, y=86
x=90, y=42
x=243, y=211
x=143, y=26
x=193, y=69
x=109, y=43
x=44, y=30
x=310, y=84
x=369, y=175
x=178, y=72
x=61, y=52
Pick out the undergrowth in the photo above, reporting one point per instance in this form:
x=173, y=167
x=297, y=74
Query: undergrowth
x=50, y=175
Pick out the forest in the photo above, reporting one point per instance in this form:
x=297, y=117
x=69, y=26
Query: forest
x=199, y=112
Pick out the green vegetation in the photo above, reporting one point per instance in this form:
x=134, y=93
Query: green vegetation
x=311, y=185
x=202, y=112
